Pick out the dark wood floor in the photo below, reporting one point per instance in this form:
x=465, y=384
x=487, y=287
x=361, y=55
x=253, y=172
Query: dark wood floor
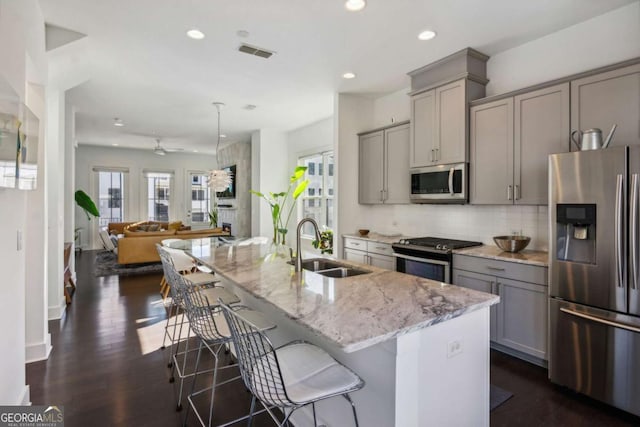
x=106, y=368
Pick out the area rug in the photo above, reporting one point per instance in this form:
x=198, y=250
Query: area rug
x=498, y=396
x=107, y=265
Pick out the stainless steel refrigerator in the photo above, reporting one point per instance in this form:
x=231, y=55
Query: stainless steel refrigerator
x=594, y=293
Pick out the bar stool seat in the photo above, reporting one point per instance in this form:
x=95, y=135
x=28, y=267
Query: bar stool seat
x=309, y=373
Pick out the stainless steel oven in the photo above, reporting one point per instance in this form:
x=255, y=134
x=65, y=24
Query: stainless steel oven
x=428, y=257
x=428, y=268
x=440, y=184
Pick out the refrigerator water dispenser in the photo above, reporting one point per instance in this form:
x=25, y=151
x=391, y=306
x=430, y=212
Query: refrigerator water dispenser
x=576, y=233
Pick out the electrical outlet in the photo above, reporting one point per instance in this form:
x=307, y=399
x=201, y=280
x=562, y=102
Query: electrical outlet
x=454, y=347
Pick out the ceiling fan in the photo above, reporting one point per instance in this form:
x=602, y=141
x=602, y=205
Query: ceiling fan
x=161, y=151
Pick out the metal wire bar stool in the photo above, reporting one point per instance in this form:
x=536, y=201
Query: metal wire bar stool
x=182, y=263
x=178, y=281
x=209, y=325
x=289, y=377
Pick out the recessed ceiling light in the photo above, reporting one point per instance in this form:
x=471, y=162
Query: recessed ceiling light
x=195, y=34
x=118, y=122
x=195, y=151
x=355, y=5
x=250, y=107
x=427, y=35
x=348, y=76
x=115, y=144
x=222, y=135
x=242, y=33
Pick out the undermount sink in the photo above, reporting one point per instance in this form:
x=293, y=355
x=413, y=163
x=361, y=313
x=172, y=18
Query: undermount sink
x=341, y=272
x=330, y=268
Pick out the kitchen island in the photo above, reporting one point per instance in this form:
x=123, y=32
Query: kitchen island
x=422, y=347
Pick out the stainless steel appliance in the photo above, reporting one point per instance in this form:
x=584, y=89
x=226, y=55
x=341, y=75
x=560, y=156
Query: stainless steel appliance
x=594, y=289
x=439, y=184
x=428, y=257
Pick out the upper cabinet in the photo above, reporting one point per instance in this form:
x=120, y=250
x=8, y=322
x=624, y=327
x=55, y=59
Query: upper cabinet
x=439, y=107
x=383, y=166
x=511, y=140
x=608, y=98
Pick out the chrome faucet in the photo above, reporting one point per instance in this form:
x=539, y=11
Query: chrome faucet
x=298, y=251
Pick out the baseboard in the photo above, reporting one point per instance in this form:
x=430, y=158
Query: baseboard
x=56, y=312
x=39, y=351
x=520, y=355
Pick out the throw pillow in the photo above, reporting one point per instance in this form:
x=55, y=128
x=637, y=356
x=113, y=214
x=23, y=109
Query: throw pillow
x=153, y=227
x=143, y=227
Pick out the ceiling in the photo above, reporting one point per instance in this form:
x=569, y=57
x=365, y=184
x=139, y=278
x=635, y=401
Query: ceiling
x=144, y=70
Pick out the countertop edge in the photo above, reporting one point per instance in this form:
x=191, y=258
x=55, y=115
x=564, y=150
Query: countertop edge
x=530, y=257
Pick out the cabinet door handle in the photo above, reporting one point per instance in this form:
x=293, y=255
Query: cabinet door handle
x=382, y=248
x=355, y=244
x=509, y=188
x=495, y=268
x=433, y=155
x=437, y=154
x=516, y=193
x=368, y=259
x=494, y=288
x=381, y=195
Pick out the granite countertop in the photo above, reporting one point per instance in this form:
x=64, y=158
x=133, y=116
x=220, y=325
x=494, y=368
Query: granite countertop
x=379, y=238
x=352, y=313
x=539, y=258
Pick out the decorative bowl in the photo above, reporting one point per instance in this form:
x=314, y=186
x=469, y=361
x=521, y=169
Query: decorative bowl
x=512, y=243
x=363, y=232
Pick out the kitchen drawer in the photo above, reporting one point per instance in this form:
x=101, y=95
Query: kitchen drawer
x=379, y=248
x=506, y=269
x=358, y=244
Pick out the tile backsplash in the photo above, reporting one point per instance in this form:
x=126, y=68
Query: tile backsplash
x=465, y=222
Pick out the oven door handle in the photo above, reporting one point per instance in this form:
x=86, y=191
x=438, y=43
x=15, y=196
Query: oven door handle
x=418, y=259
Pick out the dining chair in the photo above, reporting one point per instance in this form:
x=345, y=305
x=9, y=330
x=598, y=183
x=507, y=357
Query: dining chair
x=290, y=377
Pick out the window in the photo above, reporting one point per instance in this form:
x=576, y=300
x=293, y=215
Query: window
x=159, y=194
x=110, y=196
x=316, y=203
x=200, y=204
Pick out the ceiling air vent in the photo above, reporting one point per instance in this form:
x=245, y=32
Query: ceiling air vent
x=252, y=50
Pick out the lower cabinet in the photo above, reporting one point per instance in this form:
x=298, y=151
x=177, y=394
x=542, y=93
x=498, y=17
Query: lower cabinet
x=519, y=321
x=369, y=252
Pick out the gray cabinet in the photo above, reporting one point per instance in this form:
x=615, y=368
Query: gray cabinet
x=383, y=166
x=439, y=123
x=605, y=99
x=519, y=321
x=369, y=252
x=511, y=140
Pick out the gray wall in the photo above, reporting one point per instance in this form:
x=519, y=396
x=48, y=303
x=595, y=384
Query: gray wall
x=239, y=215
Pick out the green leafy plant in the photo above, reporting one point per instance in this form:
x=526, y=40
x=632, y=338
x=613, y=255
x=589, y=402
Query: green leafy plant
x=325, y=244
x=278, y=201
x=84, y=201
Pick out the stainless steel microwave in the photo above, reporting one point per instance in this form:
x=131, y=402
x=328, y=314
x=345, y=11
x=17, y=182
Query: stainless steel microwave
x=440, y=184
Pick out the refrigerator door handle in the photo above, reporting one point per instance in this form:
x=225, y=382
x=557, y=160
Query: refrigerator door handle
x=619, y=219
x=598, y=319
x=634, y=224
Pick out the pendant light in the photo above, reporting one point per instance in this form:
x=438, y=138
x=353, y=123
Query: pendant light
x=219, y=179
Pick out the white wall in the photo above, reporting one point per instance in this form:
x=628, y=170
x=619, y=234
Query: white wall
x=269, y=160
x=600, y=41
x=136, y=161
x=353, y=114
x=22, y=40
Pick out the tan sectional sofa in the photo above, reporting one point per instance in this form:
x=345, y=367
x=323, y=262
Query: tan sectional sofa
x=140, y=246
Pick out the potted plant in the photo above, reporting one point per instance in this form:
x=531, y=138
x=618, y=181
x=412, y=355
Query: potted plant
x=325, y=244
x=84, y=201
x=278, y=202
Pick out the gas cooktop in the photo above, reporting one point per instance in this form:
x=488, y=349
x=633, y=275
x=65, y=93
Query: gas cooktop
x=437, y=243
